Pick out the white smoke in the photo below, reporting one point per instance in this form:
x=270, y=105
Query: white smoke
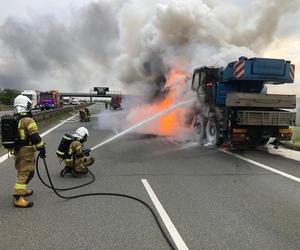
x=121, y=43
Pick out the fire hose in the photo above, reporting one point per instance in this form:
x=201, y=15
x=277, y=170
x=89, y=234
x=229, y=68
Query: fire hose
x=55, y=190
x=64, y=189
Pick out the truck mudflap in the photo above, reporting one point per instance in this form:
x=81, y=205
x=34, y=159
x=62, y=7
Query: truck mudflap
x=266, y=118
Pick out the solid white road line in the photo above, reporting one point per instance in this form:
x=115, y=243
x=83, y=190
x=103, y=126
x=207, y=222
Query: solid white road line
x=180, y=244
x=6, y=156
x=3, y=158
x=294, y=178
x=56, y=126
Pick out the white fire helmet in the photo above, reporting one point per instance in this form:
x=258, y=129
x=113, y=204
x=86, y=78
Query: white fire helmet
x=22, y=104
x=82, y=133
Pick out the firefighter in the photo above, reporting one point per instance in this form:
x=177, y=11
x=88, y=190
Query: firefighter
x=28, y=142
x=87, y=112
x=79, y=158
x=82, y=115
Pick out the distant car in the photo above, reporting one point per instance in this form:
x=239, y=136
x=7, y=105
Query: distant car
x=75, y=102
x=65, y=100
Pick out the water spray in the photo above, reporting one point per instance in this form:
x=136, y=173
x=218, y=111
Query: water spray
x=140, y=124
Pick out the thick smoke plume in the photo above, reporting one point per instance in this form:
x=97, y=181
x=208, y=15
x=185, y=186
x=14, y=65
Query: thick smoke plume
x=131, y=45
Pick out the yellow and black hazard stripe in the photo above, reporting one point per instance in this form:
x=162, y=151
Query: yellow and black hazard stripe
x=292, y=71
x=239, y=69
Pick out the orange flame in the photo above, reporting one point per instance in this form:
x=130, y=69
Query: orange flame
x=171, y=123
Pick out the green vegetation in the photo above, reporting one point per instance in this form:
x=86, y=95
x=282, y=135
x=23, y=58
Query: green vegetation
x=7, y=96
x=296, y=136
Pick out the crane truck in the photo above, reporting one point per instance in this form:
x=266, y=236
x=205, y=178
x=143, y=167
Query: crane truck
x=233, y=107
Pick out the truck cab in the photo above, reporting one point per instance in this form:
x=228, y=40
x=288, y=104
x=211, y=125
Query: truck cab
x=49, y=100
x=203, y=82
x=233, y=104
x=34, y=96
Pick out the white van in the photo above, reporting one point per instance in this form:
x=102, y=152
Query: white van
x=75, y=101
x=65, y=100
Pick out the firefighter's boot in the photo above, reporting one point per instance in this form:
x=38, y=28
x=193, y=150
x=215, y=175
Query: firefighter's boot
x=66, y=170
x=20, y=201
x=79, y=171
x=77, y=174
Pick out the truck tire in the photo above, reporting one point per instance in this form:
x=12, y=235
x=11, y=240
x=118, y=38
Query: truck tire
x=199, y=129
x=213, y=132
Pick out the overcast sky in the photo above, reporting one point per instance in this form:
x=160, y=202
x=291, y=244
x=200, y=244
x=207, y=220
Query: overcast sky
x=74, y=44
x=29, y=8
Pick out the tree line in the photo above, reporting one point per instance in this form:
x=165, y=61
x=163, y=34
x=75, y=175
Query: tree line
x=7, y=96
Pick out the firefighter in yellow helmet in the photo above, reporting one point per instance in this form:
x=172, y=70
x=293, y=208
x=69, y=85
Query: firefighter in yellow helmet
x=29, y=141
x=79, y=158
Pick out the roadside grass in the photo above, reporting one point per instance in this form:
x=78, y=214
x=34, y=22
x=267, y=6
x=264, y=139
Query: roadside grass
x=296, y=136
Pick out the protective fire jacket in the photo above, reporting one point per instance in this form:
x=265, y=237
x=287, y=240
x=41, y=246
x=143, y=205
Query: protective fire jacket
x=75, y=151
x=28, y=133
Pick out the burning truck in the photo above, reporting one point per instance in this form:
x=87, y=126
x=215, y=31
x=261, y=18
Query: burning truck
x=228, y=105
x=232, y=105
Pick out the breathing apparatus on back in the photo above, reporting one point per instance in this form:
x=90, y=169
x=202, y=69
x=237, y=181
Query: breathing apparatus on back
x=9, y=123
x=81, y=134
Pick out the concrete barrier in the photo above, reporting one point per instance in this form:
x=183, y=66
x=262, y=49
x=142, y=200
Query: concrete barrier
x=5, y=108
x=44, y=115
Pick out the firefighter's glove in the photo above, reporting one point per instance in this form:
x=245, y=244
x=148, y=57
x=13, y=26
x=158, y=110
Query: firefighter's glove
x=42, y=152
x=86, y=152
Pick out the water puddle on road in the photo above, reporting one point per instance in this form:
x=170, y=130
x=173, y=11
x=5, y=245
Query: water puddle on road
x=284, y=152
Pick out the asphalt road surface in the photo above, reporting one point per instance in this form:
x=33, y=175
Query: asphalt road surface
x=207, y=198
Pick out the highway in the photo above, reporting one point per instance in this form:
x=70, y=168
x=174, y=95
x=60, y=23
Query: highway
x=208, y=199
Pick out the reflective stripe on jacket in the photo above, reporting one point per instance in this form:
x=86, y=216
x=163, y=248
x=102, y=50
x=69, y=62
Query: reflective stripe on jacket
x=26, y=128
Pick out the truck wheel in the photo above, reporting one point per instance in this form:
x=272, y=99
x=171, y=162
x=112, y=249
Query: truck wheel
x=199, y=129
x=213, y=132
